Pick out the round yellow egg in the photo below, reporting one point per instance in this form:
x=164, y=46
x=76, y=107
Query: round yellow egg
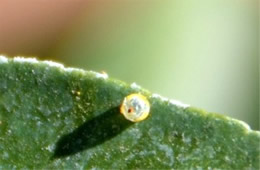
x=135, y=107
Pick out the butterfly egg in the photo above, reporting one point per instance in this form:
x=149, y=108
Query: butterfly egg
x=135, y=107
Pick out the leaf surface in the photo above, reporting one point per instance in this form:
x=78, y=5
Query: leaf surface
x=56, y=117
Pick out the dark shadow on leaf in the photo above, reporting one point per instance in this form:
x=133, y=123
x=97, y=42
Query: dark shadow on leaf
x=92, y=133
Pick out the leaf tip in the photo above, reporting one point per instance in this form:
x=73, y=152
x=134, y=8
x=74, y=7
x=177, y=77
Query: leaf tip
x=242, y=123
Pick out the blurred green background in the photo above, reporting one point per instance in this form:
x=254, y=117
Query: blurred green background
x=204, y=53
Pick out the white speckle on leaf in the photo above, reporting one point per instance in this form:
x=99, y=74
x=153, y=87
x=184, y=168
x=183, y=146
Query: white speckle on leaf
x=186, y=139
x=25, y=60
x=169, y=155
x=181, y=158
x=3, y=59
x=78, y=166
x=178, y=103
x=70, y=69
x=5, y=155
x=101, y=75
x=199, y=168
x=129, y=157
x=209, y=168
x=156, y=133
x=174, y=102
x=39, y=123
x=135, y=86
x=210, y=151
x=131, y=138
x=123, y=149
x=54, y=64
x=227, y=159
x=159, y=97
x=136, y=133
x=50, y=148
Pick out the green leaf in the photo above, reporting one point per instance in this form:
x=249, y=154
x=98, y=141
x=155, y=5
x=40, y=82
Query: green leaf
x=56, y=117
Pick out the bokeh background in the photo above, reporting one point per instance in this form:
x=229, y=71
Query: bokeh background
x=204, y=53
